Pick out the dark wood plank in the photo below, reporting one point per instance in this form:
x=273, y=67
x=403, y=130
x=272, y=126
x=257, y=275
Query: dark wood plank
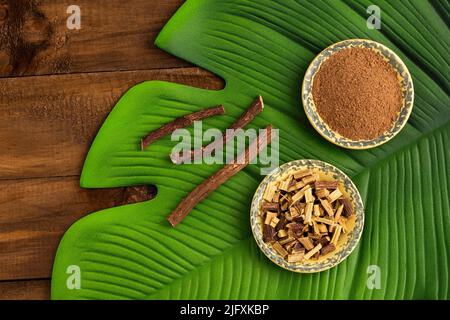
x=34, y=213
x=48, y=122
x=114, y=35
x=25, y=290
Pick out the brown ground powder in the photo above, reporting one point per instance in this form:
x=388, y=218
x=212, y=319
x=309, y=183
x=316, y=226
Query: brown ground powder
x=357, y=93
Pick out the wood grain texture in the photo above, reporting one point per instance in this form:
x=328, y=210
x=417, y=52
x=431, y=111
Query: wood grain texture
x=114, y=35
x=47, y=123
x=25, y=290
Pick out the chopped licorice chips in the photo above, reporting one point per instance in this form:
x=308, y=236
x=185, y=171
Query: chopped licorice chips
x=303, y=216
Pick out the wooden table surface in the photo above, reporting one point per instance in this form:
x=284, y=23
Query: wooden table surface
x=56, y=88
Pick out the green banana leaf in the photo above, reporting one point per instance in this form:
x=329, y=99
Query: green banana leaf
x=264, y=47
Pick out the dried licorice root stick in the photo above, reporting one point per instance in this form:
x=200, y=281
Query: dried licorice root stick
x=217, y=179
x=255, y=108
x=179, y=123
